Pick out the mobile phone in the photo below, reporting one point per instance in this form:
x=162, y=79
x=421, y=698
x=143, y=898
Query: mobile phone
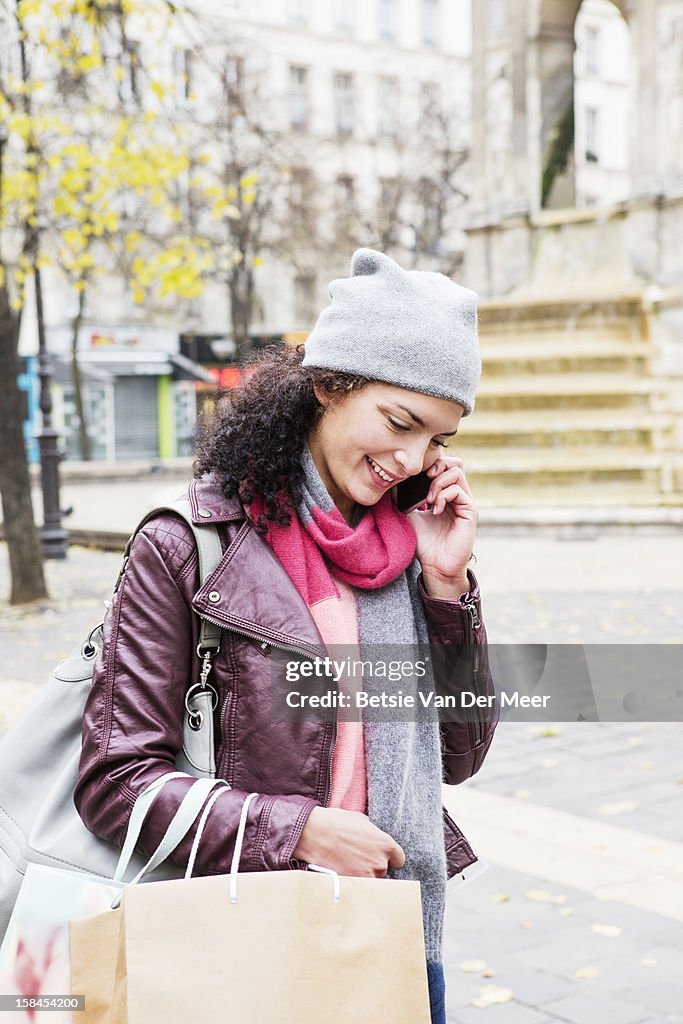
x=412, y=492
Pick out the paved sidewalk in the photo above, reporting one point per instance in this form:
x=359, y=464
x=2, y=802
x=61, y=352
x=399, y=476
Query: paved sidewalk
x=579, y=917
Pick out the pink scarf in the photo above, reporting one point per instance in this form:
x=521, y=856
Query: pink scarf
x=319, y=542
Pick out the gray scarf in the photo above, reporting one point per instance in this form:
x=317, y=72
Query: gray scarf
x=403, y=758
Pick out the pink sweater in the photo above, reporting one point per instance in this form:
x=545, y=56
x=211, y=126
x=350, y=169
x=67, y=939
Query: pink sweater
x=338, y=624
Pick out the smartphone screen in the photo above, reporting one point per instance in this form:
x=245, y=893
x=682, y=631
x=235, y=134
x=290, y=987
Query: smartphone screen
x=411, y=493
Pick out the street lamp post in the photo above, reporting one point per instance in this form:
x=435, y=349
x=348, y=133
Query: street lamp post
x=53, y=536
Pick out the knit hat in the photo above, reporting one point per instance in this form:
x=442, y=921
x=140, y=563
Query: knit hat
x=412, y=328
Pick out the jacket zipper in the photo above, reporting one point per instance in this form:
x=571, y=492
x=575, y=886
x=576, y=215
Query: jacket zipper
x=281, y=647
x=476, y=729
x=227, y=762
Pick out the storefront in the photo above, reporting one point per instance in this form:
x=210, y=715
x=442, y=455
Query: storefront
x=139, y=401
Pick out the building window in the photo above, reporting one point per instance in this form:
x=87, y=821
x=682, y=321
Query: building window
x=389, y=211
x=344, y=11
x=343, y=103
x=345, y=188
x=497, y=14
x=387, y=107
x=386, y=19
x=592, y=50
x=298, y=97
x=183, y=67
x=298, y=11
x=430, y=22
x=304, y=299
x=301, y=187
x=428, y=100
x=592, y=155
x=430, y=201
x=345, y=204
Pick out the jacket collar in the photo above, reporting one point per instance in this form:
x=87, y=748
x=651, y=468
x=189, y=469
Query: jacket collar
x=209, y=504
x=250, y=591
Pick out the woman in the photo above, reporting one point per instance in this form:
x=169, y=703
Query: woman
x=298, y=472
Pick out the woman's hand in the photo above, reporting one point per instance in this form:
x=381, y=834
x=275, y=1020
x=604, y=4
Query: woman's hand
x=348, y=843
x=445, y=534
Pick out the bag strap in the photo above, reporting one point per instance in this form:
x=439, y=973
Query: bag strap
x=184, y=818
x=210, y=553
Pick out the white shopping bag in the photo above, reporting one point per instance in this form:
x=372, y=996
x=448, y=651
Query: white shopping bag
x=34, y=958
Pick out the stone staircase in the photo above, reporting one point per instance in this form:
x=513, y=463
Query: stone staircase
x=570, y=412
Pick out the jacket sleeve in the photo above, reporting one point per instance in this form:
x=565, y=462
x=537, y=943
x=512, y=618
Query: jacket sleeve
x=458, y=642
x=132, y=726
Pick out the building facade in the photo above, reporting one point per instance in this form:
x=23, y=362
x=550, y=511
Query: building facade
x=545, y=215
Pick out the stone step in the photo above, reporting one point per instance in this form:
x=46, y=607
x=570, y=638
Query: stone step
x=495, y=349
x=534, y=428
x=621, y=332
x=497, y=471
x=582, y=390
x=516, y=311
x=565, y=357
x=622, y=497
x=524, y=460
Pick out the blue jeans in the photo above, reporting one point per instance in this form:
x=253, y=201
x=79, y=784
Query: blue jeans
x=437, y=991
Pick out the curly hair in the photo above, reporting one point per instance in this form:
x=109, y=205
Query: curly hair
x=254, y=435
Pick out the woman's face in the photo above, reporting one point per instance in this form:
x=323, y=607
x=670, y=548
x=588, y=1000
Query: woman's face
x=369, y=440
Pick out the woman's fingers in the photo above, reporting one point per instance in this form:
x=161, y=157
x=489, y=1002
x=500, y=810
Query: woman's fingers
x=461, y=497
x=454, y=474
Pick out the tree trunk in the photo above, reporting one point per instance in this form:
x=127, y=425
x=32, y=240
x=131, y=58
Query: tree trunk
x=83, y=436
x=23, y=543
x=241, y=300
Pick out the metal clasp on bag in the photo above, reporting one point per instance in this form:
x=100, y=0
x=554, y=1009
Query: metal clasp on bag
x=90, y=649
x=195, y=717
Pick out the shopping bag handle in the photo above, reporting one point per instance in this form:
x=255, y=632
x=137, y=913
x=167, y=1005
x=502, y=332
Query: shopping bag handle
x=180, y=825
x=200, y=831
x=234, y=867
x=237, y=853
x=137, y=817
x=335, y=879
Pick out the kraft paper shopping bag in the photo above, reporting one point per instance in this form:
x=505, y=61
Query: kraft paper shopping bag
x=259, y=947
x=285, y=952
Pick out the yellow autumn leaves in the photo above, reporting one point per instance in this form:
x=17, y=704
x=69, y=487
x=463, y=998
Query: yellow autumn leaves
x=98, y=184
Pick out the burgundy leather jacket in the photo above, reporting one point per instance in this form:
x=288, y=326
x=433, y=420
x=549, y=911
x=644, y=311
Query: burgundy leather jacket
x=134, y=713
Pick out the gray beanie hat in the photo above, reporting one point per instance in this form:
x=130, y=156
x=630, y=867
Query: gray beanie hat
x=412, y=328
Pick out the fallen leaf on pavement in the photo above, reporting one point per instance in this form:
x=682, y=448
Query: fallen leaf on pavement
x=620, y=807
x=473, y=966
x=543, y=896
x=612, y=930
x=491, y=994
x=500, y=897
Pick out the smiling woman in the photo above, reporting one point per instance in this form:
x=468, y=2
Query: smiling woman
x=298, y=470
